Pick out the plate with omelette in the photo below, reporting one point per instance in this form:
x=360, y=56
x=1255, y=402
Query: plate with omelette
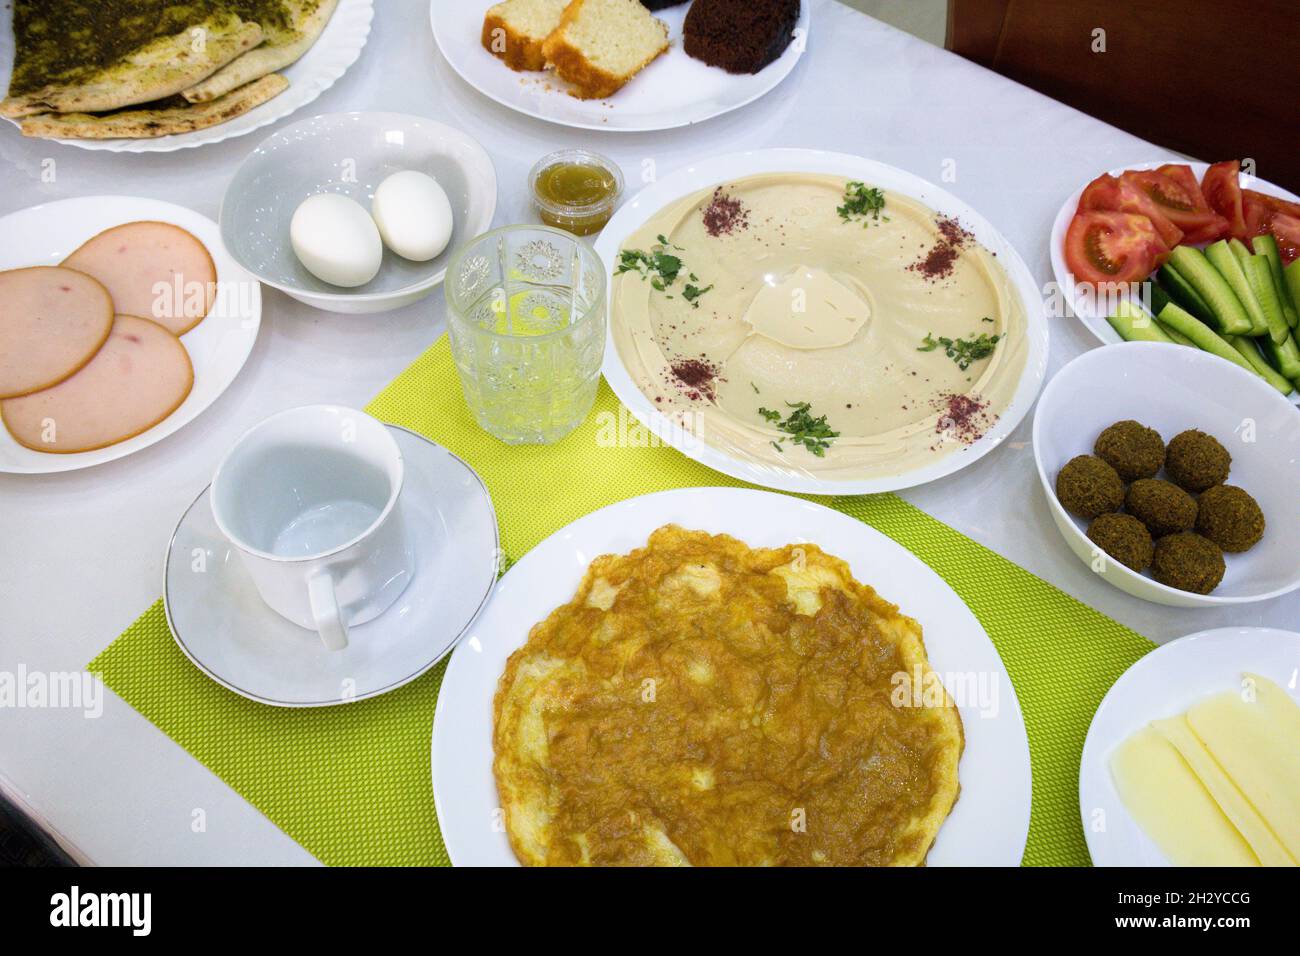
x=1193, y=757
x=727, y=677
x=819, y=322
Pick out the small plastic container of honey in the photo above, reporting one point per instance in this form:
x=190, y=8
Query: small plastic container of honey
x=576, y=190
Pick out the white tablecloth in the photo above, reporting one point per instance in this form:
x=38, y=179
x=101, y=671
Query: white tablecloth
x=81, y=553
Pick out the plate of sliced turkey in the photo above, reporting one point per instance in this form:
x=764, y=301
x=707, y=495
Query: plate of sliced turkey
x=121, y=320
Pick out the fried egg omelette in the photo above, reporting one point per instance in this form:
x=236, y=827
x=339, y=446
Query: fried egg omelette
x=700, y=702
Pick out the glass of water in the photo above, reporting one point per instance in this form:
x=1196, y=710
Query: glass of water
x=526, y=315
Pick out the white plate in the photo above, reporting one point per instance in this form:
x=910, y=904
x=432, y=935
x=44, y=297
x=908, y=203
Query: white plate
x=1166, y=682
x=718, y=169
x=990, y=821
x=218, y=346
x=222, y=625
x=1172, y=388
x=1085, y=306
x=674, y=90
x=334, y=51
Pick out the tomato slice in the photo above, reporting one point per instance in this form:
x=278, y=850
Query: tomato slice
x=1173, y=187
x=1102, y=246
x=1256, y=213
x=1222, y=189
x=1285, y=228
x=1108, y=194
x=1276, y=203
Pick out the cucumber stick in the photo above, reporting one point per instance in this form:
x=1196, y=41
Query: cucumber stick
x=1183, y=322
x=1175, y=334
x=1266, y=246
x=1134, y=325
x=1184, y=293
x=1291, y=280
x=1284, y=357
x=1227, y=264
x=1260, y=277
x=1227, y=315
x=1251, y=353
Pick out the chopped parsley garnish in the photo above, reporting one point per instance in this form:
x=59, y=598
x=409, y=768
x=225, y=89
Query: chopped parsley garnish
x=692, y=293
x=813, y=433
x=662, y=269
x=861, y=202
x=963, y=351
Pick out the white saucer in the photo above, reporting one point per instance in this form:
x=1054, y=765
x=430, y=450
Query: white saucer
x=221, y=624
x=1165, y=682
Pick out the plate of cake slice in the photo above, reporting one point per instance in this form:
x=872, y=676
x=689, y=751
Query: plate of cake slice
x=629, y=65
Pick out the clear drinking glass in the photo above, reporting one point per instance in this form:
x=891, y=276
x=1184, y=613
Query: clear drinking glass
x=526, y=315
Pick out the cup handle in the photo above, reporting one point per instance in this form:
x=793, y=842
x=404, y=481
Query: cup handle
x=325, y=611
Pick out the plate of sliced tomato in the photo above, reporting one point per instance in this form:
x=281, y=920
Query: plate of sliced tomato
x=1118, y=229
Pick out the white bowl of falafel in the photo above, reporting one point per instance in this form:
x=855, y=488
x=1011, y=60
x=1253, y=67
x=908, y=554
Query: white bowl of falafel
x=1173, y=474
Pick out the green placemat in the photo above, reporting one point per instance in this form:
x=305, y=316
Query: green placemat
x=351, y=783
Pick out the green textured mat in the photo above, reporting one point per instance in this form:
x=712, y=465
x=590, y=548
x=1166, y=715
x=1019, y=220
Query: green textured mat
x=351, y=783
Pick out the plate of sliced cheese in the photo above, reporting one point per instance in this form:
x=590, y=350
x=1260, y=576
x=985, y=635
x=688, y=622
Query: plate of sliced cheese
x=630, y=65
x=1193, y=757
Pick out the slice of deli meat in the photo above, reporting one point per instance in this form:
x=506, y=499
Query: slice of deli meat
x=140, y=376
x=152, y=269
x=52, y=322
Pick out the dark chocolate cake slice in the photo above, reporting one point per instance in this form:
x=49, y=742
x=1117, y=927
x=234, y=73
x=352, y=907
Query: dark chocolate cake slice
x=653, y=5
x=741, y=36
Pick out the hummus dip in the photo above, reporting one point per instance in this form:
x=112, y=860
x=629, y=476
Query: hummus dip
x=787, y=295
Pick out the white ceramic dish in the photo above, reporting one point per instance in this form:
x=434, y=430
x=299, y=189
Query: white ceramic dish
x=718, y=169
x=1172, y=388
x=351, y=154
x=1085, y=307
x=1166, y=682
x=218, y=346
x=222, y=625
x=990, y=821
x=336, y=49
x=674, y=90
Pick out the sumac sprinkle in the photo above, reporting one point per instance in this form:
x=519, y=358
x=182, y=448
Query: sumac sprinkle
x=964, y=418
x=697, y=375
x=938, y=262
x=725, y=215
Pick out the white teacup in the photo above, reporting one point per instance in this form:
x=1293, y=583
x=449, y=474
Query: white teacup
x=309, y=498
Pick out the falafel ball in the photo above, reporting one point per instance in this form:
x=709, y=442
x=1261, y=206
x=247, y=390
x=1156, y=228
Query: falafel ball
x=1089, y=487
x=1124, y=538
x=1196, y=461
x=1230, y=518
x=1163, y=507
x=1132, y=449
x=1188, y=562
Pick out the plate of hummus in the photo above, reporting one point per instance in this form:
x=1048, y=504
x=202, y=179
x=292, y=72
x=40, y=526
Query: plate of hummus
x=818, y=322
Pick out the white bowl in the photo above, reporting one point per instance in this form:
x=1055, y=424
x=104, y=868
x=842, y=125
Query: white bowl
x=1172, y=388
x=351, y=154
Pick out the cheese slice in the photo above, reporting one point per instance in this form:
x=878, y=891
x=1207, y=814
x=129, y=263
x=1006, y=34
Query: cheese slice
x=1173, y=807
x=1234, y=804
x=1256, y=741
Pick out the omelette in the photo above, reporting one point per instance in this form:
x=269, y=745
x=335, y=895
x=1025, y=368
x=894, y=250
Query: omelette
x=700, y=702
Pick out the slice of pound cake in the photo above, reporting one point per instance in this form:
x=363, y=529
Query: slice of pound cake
x=601, y=44
x=741, y=36
x=514, y=30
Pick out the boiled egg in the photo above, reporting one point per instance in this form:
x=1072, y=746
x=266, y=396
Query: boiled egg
x=413, y=215
x=336, y=240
